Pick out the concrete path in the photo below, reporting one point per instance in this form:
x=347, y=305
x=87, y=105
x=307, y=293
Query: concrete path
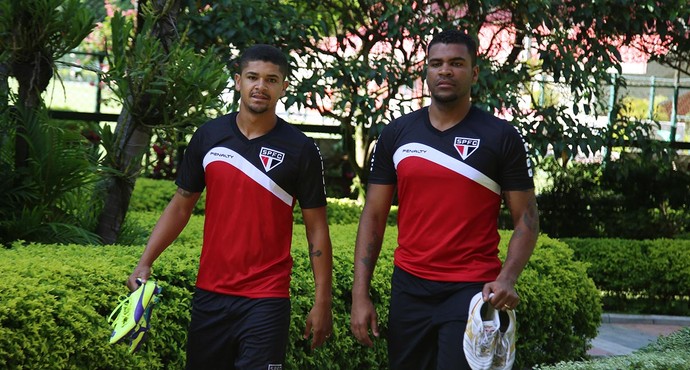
x=621, y=334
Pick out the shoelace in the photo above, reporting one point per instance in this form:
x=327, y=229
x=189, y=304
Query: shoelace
x=486, y=340
x=501, y=350
x=121, y=311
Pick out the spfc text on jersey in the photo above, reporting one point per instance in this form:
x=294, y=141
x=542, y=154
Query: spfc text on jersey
x=466, y=146
x=270, y=158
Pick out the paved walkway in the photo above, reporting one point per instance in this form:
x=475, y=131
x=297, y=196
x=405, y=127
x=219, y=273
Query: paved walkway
x=621, y=334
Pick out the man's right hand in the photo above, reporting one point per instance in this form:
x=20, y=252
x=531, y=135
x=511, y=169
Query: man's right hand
x=363, y=317
x=141, y=273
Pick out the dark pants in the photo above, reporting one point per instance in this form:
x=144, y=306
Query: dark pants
x=229, y=332
x=427, y=323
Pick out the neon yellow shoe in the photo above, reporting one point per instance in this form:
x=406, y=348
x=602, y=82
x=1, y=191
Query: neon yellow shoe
x=130, y=310
x=140, y=331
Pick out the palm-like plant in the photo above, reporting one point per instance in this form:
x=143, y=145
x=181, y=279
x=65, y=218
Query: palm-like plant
x=163, y=84
x=44, y=201
x=44, y=168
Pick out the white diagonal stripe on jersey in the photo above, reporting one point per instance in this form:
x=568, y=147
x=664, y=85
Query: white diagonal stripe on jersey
x=232, y=158
x=442, y=159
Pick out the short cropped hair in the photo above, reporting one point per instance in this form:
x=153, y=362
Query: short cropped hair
x=453, y=36
x=265, y=53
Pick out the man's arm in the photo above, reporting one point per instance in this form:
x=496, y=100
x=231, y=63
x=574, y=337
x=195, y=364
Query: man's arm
x=372, y=225
x=169, y=226
x=320, y=319
x=523, y=209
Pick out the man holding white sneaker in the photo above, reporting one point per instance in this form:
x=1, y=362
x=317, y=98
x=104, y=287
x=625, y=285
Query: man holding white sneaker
x=452, y=165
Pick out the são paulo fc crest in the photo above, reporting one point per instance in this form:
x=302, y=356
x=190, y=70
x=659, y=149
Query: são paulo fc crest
x=466, y=146
x=270, y=158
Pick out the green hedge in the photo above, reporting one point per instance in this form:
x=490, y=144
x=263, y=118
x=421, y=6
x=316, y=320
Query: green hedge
x=55, y=301
x=632, y=198
x=645, y=276
x=151, y=195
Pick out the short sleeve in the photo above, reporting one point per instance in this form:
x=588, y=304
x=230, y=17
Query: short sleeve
x=190, y=175
x=382, y=170
x=516, y=169
x=311, y=188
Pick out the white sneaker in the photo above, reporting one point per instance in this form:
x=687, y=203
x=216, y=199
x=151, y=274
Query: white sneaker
x=504, y=355
x=481, y=333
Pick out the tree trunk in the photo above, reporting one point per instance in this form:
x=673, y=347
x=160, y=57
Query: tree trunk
x=133, y=144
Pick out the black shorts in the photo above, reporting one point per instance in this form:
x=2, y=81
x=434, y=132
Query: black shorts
x=230, y=332
x=427, y=322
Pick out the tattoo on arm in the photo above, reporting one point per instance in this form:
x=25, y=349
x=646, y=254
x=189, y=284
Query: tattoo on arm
x=531, y=217
x=369, y=259
x=312, y=252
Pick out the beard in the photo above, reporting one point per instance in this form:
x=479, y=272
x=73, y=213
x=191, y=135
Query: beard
x=257, y=108
x=444, y=99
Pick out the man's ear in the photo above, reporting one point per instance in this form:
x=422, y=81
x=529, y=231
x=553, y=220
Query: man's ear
x=285, y=85
x=238, y=80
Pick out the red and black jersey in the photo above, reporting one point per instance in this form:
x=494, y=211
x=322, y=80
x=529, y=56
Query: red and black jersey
x=449, y=187
x=251, y=189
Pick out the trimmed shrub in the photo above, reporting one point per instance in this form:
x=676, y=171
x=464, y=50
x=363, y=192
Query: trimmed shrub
x=560, y=310
x=152, y=195
x=645, y=276
x=632, y=198
x=56, y=300
x=55, y=304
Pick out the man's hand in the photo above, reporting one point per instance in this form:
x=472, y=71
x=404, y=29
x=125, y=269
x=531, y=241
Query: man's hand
x=363, y=317
x=141, y=273
x=501, y=295
x=319, y=324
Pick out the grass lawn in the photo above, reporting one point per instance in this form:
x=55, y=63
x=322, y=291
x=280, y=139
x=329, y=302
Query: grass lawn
x=78, y=96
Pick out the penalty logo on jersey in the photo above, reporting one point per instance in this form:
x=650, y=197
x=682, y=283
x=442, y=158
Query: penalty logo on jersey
x=270, y=158
x=466, y=146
